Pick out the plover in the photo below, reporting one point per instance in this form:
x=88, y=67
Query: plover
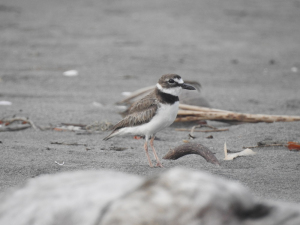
x=153, y=113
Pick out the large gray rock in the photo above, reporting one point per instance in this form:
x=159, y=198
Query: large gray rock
x=68, y=198
x=186, y=197
x=178, y=196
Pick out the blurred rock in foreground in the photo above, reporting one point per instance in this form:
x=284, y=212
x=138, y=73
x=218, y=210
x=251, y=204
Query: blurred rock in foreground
x=178, y=196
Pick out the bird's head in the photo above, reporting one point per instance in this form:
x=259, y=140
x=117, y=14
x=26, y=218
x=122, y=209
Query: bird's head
x=172, y=84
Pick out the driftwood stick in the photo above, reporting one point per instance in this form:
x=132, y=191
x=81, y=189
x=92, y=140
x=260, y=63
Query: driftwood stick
x=269, y=145
x=192, y=148
x=15, y=127
x=199, y=108
x=136, y=94
x=11, y=120
x=205, y=131
x=187, y=118
x=32, y=124
x=244, y=117
x=214, y=129
x=74, y=124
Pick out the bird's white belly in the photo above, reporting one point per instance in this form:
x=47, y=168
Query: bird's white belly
x=164, y=117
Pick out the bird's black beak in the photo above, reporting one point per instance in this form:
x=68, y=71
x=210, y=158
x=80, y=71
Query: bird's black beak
x=187, y=86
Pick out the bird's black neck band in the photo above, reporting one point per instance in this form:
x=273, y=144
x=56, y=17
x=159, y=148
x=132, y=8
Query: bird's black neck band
x=166, y=98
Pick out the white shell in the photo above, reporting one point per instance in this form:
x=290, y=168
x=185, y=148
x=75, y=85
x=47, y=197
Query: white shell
x=71, y=73
x=5, y=103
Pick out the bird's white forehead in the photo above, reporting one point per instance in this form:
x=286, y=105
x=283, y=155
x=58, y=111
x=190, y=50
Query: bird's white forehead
x=179, y=81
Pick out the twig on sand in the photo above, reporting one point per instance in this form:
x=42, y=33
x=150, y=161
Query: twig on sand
x=25, y=120
x=74, y=124
x=65, y=143
x=290, y=145
x=94, y=128
x=269, y=145
x=26, y=123
x=15, y=127
x=188, y=113
x=192, y=148
x=191, y=134
x=205, y=131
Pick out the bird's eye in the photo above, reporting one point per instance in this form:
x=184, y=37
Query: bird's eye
x=171, y=81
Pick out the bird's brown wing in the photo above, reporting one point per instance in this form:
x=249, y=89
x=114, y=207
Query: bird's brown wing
x=143, y=104
x=140, y=112
x=137, y=118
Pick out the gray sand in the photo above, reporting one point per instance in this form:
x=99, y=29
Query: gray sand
x=244, y=53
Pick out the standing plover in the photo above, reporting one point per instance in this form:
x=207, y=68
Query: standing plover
x=153, y=113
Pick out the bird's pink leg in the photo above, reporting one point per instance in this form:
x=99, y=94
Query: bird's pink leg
x=154, y=152
x=148, y=157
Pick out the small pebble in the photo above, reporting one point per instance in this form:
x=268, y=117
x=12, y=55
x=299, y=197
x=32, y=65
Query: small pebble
x=71, y=73
x=234, y=61
x=272, y=62
x=5, y=103
x=294, y=69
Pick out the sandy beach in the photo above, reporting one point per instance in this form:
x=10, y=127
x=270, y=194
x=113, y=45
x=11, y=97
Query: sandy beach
x=245, y=54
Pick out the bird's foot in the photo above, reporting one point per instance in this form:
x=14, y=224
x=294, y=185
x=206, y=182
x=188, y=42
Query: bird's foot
x=159, y=165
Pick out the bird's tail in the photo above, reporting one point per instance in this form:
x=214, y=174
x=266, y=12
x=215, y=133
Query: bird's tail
x=111, y=135
x=107, y=137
